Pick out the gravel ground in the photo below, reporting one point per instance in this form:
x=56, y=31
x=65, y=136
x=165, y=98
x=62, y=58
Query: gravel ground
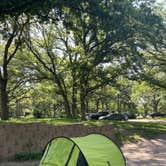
x=142, y=153
x=148, y=120
x=146, y=152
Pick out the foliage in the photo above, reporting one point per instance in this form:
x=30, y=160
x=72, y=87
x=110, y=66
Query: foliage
x=27, y=156
x=72, y=57
x=150, y=97
x=11, y=41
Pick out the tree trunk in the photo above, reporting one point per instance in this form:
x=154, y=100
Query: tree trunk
x=4, y=101
x=67, y=106
x=97, y=104
x=102, y=104
x=155, y=104
x=87, y=105
x=106, y=106
x=63, y=93
x=83, y=105
x=124, y=107
x=74, y=100
x=145, y=110
x=118, y=104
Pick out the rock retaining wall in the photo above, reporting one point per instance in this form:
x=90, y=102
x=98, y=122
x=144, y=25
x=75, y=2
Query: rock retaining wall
x=18, y=138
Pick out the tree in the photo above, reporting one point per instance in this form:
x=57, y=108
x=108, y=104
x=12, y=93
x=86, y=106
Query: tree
x=150, y=97
x=91, y=46
x=154, y=68
x=11, y=40
x=39, y=8
x=110, y=42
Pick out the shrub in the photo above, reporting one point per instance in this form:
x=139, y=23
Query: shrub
x=28, y=156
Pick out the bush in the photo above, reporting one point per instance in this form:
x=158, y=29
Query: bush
x=37, y=114
x=28, y=156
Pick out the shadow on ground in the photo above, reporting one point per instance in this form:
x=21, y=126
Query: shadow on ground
x=146, y=152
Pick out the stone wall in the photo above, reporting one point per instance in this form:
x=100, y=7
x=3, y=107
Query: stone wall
x=17, y=138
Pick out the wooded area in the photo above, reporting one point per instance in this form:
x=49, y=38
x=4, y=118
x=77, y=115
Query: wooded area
x=68, y=58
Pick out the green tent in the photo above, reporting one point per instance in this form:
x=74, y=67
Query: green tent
x=91, y=150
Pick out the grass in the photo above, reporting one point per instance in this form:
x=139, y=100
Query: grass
x=52, y=121
x=132, y=131
x=129, y=131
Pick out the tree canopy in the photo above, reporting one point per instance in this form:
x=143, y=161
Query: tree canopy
x=85, y=53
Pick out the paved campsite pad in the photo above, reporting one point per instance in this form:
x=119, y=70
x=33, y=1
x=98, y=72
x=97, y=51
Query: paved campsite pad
x=144, y=153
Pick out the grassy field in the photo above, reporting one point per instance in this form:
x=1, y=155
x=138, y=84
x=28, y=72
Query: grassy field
x=129, y=131
x=132, y=131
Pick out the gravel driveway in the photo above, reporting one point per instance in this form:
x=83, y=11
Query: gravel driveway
x=142, y=153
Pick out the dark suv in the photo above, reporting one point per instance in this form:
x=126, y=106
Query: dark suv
x=95, y=116
x=158, y=114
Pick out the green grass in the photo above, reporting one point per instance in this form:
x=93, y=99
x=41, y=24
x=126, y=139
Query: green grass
x=42, y=120
x=132, y=131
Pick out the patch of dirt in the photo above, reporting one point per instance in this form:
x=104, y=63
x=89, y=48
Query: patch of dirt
x=146, y=152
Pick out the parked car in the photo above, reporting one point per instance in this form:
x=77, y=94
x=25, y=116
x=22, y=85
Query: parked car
x=114, y=117
x=95, y=116
x=88, y=115
x=158, y=114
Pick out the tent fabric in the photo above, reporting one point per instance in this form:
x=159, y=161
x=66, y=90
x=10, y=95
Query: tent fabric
x=91, y=150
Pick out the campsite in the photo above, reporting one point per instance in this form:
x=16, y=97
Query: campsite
x=82, y=82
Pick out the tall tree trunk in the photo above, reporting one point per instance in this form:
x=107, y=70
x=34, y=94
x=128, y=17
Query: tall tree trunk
x=54, y=110
x=106, y=106
x=4, y=100
x=118, y=104
x=67, y=106
x=155, y=105
x=145, y=109
x=64, y=95
x=155, y=102
x=74, y=99
x=124, y=107
x=97, y=104
x=83, y=104
x=102, y=104
x=87, y=105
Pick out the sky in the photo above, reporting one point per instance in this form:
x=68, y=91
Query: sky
x=161, y=1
